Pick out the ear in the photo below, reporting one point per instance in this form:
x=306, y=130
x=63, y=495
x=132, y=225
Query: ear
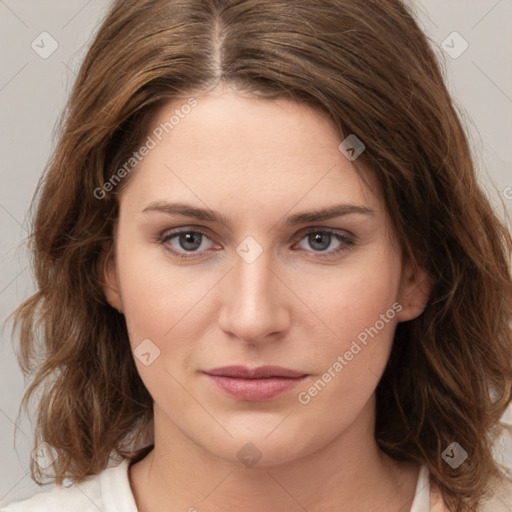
x=107, y=271
x=416, y=287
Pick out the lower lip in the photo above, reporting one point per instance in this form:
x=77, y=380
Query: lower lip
x=255, y=390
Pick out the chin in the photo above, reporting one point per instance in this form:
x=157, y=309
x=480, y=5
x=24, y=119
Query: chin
x=281, y=446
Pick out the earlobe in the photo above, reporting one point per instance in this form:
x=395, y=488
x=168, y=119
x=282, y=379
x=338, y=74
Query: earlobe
x=108, y=275
x=415, y=293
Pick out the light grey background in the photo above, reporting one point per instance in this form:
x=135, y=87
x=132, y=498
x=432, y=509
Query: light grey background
x=33, y=91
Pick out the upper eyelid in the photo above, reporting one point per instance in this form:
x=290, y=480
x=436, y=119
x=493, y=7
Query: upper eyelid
x=204, y=230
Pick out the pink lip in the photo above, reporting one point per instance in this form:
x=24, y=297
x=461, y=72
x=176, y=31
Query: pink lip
x=256, y=384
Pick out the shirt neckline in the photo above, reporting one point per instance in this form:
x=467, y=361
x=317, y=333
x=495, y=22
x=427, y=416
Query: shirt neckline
x=421, y=501
x=116, y=492
x=115, y=489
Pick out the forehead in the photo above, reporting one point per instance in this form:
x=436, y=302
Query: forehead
x=232, y=149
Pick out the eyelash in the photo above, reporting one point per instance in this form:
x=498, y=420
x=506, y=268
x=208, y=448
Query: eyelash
x=347, y=241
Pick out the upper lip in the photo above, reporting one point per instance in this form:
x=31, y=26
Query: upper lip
x=243, y=372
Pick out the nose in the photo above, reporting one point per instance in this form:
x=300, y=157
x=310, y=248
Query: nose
x=254, y=301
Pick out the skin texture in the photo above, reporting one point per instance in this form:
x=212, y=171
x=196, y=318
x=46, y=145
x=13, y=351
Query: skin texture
x=257, y=162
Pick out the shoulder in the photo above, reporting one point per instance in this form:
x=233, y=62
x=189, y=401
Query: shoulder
x=497, y=498
x=499, y=495
x=96, y=492
x=80, y=497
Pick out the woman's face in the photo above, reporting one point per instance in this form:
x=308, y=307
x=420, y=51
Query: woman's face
x=267, y=285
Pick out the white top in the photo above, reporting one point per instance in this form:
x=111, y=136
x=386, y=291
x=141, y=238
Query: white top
x=110, y=491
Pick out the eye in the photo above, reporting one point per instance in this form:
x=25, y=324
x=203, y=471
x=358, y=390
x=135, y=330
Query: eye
x=179, y=243
x=192, y=243
x=321, y=239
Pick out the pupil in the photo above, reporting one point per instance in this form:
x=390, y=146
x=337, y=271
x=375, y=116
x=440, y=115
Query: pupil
x=317, y=238
x=188, y=238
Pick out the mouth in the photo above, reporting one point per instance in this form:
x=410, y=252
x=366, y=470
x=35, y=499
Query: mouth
x=255, y=384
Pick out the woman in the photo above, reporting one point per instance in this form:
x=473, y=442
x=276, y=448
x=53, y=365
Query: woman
x=267, y=276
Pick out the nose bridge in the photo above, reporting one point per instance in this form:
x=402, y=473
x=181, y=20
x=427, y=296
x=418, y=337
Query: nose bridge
x=253, y=281
x=252, y=308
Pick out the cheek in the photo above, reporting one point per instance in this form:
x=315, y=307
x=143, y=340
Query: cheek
x=155, y=305
x=350, y=367
x=361, y=313
x=155, y=294
x=364, y=288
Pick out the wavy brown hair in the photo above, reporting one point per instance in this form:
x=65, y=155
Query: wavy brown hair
x=370, y=68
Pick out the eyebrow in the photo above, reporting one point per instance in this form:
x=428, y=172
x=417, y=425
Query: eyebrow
x=206, y=214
